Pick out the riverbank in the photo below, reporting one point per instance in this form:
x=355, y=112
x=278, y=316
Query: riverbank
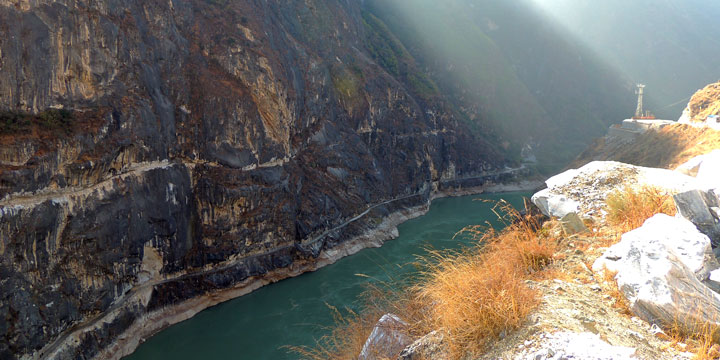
x=160, y=319
x=625, y=273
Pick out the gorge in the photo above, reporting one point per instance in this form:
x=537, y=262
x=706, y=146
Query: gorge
x=297, y=311
x=158, y=158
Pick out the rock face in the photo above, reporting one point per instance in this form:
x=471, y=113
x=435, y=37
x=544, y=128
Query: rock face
x=584, y=190
x=211, y=144
x=386, y=340
x=702, y=208
x=659, y=269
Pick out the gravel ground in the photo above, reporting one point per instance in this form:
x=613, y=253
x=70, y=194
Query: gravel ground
x=579, y=319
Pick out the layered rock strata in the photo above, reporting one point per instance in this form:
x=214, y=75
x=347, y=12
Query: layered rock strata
x=212, y=147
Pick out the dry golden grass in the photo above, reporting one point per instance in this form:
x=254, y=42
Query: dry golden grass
x=702, y=340
x=477, y=295
x=693, y=142
x=611, y=288
x=345, y=340
x=472, y=296
x=629, y=208
x=705, y=102
x=667, y=148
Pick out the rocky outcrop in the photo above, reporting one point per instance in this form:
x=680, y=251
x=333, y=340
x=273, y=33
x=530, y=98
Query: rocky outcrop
x=664, y=268
x=584, y=190
x=703, y=105
x=211, y=147
x=702, y=205
x=387, y=339
x=660, y=268
x=702, y=208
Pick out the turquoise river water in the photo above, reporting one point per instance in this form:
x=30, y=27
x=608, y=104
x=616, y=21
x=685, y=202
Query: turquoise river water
x=295, y=311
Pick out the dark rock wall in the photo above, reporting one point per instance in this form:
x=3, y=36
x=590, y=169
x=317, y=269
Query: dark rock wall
x=204, y=134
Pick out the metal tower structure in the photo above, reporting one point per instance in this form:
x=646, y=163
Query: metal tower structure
x=640, y=92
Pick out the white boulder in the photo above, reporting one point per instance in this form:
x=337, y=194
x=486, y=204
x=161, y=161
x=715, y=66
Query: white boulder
x=585, y=190
x=659, y=269
x=554, y=205
x=386, y=340
x=705, y=168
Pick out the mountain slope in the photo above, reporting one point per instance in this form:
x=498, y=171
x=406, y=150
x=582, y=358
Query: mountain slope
x=201, y=145
x=156, y=158
x=669, y=45
x=505, y=64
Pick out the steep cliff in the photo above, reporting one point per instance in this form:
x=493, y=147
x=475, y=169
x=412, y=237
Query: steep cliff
x=201, y=144
x=506, y=64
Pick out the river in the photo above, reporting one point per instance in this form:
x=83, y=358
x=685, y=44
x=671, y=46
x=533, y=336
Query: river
x=295, y=311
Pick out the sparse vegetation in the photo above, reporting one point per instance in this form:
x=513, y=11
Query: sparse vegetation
x=218, y=2
x=705, y=103
x=629, y=208
x=611, y=288
x=473, y=296
x=347, y=86
x=667, y=148
x=345, y=340
x=12, y=122
x=702, y=340
x=390, y=53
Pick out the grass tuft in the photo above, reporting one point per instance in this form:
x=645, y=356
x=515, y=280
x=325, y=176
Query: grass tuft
x=611, y=288
x=701, y=339
x=346, y=339
x=629, y=208
x=473, y=296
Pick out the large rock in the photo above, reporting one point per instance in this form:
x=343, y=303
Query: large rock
x=430, y=346
x=554, y=205
x=659, y=269
x=584, y=190
x=387, y=339
x=706, y=161
x=572, y=224
x=701, y=208
x=705, y=168
x=709, y=169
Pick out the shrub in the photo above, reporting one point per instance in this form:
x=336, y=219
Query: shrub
x=12, y=122
x=480, y=294
x=473, y=296
x=345, y=341
x=700, y=339
x=55, y=119
x=629, y=208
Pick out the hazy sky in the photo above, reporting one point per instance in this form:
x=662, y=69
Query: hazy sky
x=671, y=45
